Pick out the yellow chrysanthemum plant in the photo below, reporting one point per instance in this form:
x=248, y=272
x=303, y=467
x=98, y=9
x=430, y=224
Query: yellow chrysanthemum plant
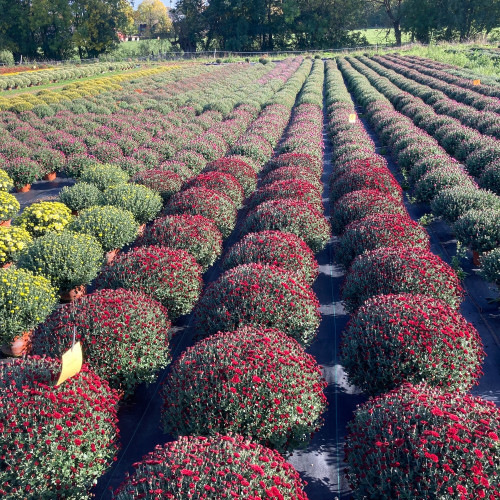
x=9, y=206
x=44, y=217
x=12, y=241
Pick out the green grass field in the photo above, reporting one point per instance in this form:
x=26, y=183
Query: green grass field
x=380, y=36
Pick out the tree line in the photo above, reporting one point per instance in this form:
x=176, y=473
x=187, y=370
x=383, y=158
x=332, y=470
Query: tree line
x=62, y=29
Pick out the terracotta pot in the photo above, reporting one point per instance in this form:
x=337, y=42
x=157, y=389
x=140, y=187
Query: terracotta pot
x=73, y=294
x=476, y=258
x=110, y=256
x=6, y=265
x=74, y=212
x=5, y=223
x=24, y=189
x=50, y=176
x=20, y=346
x=141, y=229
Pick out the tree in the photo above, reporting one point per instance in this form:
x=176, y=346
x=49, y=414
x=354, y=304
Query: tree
x=190, y=25
x=96, y=24
x=395, y=12
x=155, y=16
x=50, y=23
x=15, y=32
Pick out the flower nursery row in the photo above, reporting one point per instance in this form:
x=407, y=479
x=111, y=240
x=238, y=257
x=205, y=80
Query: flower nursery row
x=450, y=74
x=463, y=98
x=405, y=334
x=126, y=136
x=136, y=296
x=250, y=374
x=53, y=75
x=478, y=152
x=434, y=176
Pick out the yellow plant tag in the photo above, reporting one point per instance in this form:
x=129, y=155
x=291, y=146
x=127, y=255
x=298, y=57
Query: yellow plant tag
x=476, y=82
x=352, y=118
x=72, y=361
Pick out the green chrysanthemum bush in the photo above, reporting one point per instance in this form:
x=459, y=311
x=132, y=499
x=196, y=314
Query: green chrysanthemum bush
x=360, y=204
x=379, y=230
x=258, y=295
x=439, y=178
x=254, y=382
x=111, y=226
x=490, y=178
x=80, y=196
x=25, y=301
x=418, y=442
x=104, y=176
x=12, y=241
x=63, y=439
x=194, y=233
x=68, y=259
x=392, y=270
x=275, y=248
x=479, y=229
x=425, y=165
x=292, y=216
x=142, y=202
x=168, y=275
x=212, y=468
x=9, y=206
x=393, y=339
x=44, y=217
x=164, y=182
x=124, y=335
x=210, y=204
x=6, y=183
x=490, y=266
x=452, y=203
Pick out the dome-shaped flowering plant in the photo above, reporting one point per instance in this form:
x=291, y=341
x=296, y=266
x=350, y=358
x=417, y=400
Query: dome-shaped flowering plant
x=359, y=204
x=210, y=204
x=56, y=440
x=254, y=382
x=258, y=295
x=218, y=181
x=164, y=182
x=379, y=230
x=168, y=275
x=393, y=339
x=292, y=173
x=288, y=189
x=296, y=160
x=276, y=248
x=44, y=217
x=124, y=335
x=142, y=202
x=239, y=169
x=194, y=233
x=400, y=270
x=359, y=178
x=297, y=217
x=213, y=468
x=419, y=442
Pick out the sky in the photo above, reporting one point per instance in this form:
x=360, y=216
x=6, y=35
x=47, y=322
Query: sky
x=167, y=3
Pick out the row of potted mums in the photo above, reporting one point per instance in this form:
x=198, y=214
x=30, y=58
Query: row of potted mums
x=406, y=344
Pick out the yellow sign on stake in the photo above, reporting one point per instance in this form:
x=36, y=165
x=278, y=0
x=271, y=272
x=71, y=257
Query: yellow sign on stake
x=72, y=361
x=352, y=118
x=476, y=82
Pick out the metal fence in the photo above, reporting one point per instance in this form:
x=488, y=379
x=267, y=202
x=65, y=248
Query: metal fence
x=212, y=54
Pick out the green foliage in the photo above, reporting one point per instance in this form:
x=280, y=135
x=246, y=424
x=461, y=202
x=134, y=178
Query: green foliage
x=6, y=57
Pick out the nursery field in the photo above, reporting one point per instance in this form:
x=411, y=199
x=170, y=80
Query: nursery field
x=283, y=279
